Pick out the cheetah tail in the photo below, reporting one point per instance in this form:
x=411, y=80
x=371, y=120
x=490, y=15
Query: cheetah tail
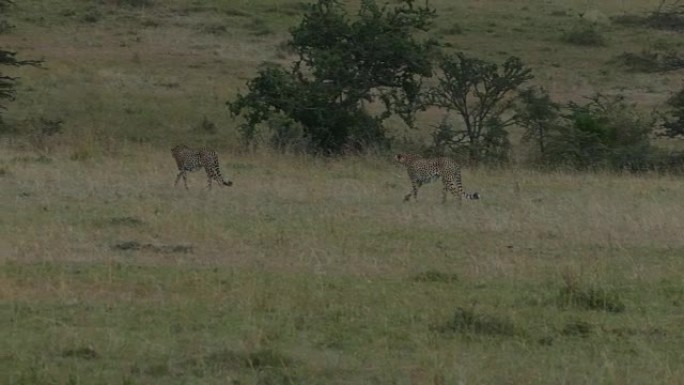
x=459, y=188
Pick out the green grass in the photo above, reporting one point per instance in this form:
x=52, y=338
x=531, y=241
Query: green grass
x=317, y=271
x=313, y=271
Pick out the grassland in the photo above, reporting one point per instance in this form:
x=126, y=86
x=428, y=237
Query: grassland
x=312, y=271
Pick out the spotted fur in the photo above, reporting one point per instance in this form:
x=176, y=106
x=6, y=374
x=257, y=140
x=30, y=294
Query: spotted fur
x=425, y=170
x=188, y=159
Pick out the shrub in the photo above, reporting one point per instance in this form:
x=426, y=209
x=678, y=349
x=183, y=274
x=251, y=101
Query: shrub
x=584, y=35
x=605, y=133
x=286, y=135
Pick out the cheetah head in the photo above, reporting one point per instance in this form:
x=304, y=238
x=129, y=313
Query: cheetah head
x=402, y=158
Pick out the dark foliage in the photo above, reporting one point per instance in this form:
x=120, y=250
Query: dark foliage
x=585, y=35
x=673, y=125
x=605, y=133
x=343, y=65
x=539, y=115
x=478, y=91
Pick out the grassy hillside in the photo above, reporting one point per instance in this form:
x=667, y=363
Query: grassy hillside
x=312, y=271
x=151, y=73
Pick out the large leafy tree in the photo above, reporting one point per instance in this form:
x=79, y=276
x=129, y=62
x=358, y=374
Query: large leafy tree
x=350, y=74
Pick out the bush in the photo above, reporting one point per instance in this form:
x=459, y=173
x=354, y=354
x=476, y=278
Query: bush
x=584, y=35
x=605, y=133
x=287, y=135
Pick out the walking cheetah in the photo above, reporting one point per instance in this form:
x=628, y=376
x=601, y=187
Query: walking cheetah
x=425, y=170
x=188, y=159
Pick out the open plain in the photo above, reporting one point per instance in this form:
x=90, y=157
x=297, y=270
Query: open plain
x=312, y=270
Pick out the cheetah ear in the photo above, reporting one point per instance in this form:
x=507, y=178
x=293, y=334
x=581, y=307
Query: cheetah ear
x=398, y=157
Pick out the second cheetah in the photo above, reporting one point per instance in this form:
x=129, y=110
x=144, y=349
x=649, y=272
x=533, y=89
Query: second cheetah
x=188, y=159
x=425, y=170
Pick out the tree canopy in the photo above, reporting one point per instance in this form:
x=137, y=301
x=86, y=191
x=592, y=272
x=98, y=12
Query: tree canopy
x=343, y=65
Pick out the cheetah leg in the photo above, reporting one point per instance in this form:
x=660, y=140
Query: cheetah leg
x=185, y=180
x=451, y=187
x=414, y=192
x=408, y=197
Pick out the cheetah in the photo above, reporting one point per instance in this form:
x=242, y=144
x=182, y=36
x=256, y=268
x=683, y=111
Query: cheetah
x=188, y=159
x=425, y=170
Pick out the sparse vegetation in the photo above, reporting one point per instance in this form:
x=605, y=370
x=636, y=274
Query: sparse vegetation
x=604, y=133
x=651, y=61
x=585, y=34
x=590, y=299
x=8, y=58
x=311, y=270
x=668, y=15
x=469, y=322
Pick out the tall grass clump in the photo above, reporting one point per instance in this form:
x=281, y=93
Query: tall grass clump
x=588, y=298
x=469, y=322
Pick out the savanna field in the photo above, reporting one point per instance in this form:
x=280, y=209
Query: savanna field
x=311, y=270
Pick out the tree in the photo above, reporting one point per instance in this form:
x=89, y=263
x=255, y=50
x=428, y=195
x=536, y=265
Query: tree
x=8, y=58
x=342, y=67
x=538, y=114
x=478, y=91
